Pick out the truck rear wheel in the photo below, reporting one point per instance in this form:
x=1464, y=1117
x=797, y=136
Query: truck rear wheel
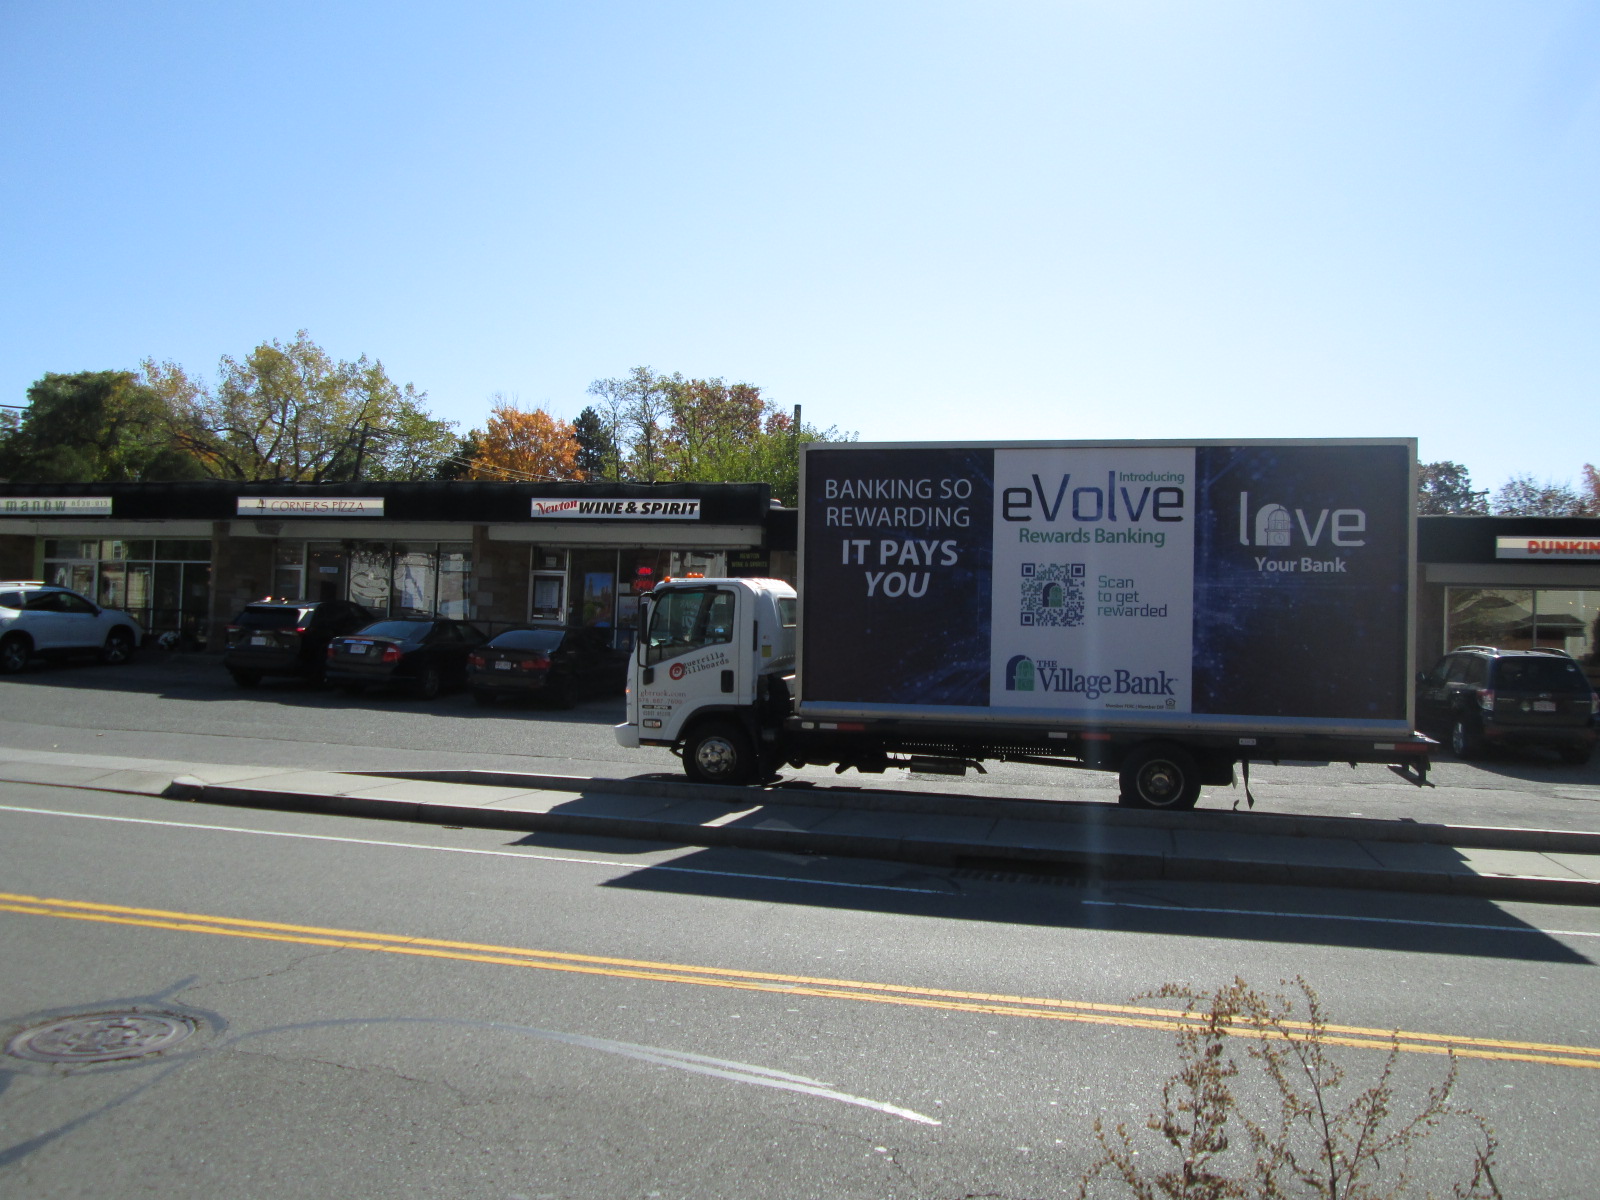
x=1159, y=775
x=720, y=752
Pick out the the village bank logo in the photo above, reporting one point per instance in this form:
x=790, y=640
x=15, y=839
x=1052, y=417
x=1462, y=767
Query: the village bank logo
x=1274, y=524
x=1024, y=674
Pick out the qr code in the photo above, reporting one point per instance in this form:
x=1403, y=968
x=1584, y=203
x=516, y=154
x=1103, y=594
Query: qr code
x=1052, y=594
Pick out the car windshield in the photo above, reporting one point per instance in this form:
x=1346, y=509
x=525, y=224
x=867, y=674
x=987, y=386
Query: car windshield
x=529, y=639
x=404, y=631
x=1540, y=675
x=269, y=618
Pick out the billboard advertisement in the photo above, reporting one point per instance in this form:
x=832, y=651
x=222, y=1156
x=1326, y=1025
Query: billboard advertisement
x=1104, y=582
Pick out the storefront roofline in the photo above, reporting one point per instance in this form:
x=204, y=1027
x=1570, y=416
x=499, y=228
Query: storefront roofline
x=635, y=533
x=104, y=527
x=468, y=501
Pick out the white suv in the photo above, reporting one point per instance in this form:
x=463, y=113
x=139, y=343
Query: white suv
x=39, y=618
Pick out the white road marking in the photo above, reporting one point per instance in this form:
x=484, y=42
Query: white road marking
x=594, y=862
x=682, y=1060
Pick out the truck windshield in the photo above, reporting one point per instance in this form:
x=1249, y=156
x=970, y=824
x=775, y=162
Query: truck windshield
x=687, y=620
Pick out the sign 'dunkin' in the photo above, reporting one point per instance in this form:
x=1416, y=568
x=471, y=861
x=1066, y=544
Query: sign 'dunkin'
x=1547, y=547
x=310, y=506
x=55, y=506
x=617, y=510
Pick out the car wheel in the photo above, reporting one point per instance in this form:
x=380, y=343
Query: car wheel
x=14, y=653
x=246, y=679
x=118, y=648
x=427, y=685
x=1466, y=739
x=1576, y=756
x=720, y=752
x=484, y=699
x=1159, y=775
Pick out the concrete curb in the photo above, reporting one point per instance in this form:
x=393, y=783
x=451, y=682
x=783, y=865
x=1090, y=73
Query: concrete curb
x=1090, y=865
x=1074, y=812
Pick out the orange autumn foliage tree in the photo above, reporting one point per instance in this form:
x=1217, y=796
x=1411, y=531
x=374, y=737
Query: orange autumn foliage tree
x=517, y=444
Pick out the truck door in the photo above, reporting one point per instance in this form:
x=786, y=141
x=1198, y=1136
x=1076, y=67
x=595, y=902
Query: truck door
x=690, y=659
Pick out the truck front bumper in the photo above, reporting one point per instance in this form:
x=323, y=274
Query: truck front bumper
x=627, y=735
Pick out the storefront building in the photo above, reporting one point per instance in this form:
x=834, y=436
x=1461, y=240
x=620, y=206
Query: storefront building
x=1511, y=582
x=185, y=557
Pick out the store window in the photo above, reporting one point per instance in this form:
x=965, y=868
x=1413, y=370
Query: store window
x=1521, y=618
x=165, y=583
x=390, y=580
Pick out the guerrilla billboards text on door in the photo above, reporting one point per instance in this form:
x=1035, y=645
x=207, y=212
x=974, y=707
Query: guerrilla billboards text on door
x=1209, y=581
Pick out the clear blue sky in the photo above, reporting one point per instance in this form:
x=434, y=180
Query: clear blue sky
x=928, y=220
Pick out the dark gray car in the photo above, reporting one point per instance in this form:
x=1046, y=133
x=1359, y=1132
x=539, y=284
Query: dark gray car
x=1477, y=697
x=287, y=638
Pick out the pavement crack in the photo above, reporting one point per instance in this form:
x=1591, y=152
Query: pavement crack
x=293, y=964
x=462, y=1097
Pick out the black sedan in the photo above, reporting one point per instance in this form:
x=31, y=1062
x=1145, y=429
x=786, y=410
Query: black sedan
x=422, y=655
x=559, y=665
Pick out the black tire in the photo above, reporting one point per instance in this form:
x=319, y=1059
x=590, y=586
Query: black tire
x=427, y=685
x=1576, y=756
x=245, y=679
x=118, y=648
x=1159, y=775
x=720, y=752
x=483, y=697
x=1466, y=737
x=14, y=654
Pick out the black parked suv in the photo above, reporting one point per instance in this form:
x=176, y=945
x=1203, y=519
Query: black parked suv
x=287, y=637
x=1480, y=696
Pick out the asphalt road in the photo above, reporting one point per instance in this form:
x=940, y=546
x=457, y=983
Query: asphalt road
x=186, y=708
x=383, y=1009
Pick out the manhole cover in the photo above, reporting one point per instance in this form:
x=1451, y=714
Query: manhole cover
x=100, y=1037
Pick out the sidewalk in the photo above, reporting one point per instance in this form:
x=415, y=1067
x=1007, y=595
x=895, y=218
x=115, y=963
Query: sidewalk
x=1085, y=839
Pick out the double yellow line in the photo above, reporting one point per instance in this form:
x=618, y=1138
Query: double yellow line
x=1124, y=1015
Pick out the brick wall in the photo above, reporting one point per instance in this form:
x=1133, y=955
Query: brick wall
x=499, y=581
x=16, y=556
x=241, y=571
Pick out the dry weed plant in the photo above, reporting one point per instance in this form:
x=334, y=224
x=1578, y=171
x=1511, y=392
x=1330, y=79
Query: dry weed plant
x=1311, y=1146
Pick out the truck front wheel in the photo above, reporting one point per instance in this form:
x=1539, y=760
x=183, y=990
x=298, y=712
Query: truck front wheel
x=720, y=752
x=1159, y=775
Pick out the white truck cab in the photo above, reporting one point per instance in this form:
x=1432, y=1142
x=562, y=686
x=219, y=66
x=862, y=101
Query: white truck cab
x=706, y=653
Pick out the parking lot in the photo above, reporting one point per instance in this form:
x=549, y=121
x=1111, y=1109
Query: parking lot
x=184, y=707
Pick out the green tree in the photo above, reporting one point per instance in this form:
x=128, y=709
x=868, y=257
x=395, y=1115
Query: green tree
x=598, y=456
x=1524, y=496
x=714, y=427
x=291, y=412
x=458, y=462
x=699, y=431
x=93, y=426
x=1445, y=489
x=639, y=408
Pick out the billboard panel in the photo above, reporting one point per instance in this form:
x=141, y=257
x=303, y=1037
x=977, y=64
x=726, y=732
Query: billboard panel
x=1097, y=583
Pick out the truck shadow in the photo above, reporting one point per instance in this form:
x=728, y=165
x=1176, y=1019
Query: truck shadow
x=1071, y=898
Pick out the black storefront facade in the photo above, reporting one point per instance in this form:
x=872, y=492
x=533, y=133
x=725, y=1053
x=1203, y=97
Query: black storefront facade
x=185, y=557
x=1512, y=582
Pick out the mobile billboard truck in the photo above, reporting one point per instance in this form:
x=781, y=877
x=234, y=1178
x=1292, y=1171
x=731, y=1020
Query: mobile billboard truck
x=1164, y=610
